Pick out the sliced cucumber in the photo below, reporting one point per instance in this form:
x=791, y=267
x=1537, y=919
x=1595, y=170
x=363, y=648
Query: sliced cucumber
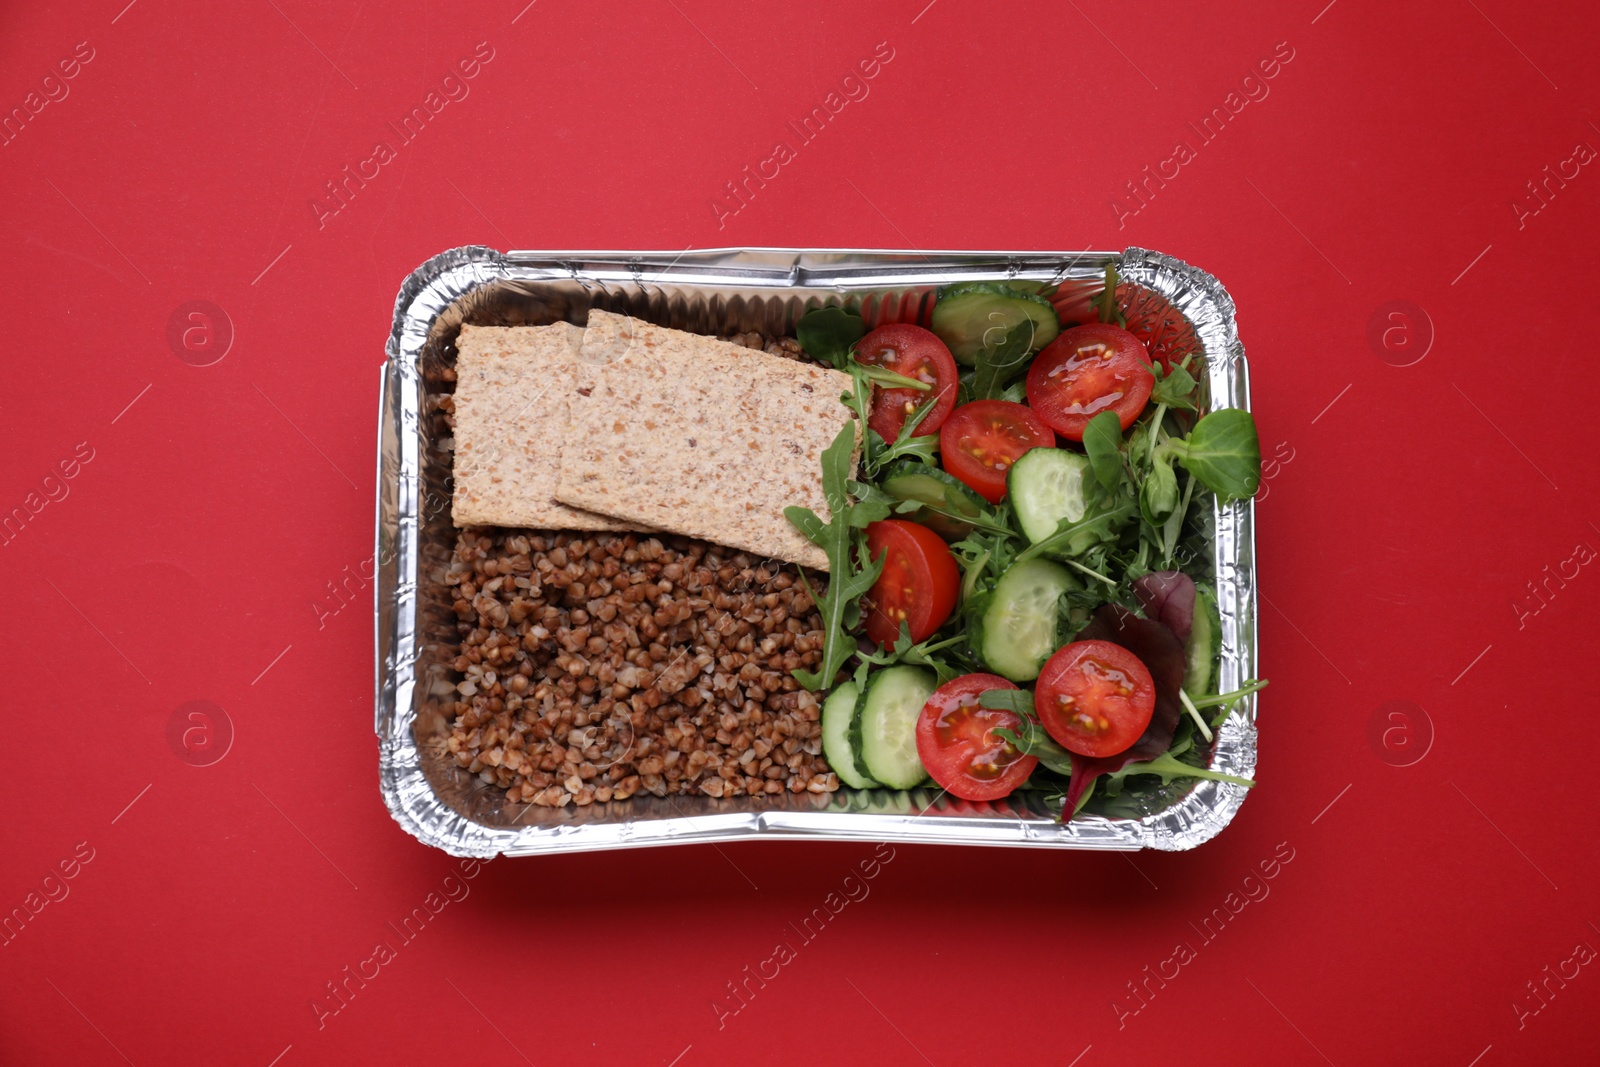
x=1205, y=643
x=838, y=715
x=966, y=313
x=888, y=724
x=910, y=480
x=1019, y=626
x=1046, y=487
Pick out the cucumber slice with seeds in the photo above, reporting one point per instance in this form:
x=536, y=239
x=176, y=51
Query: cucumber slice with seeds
x=838, y=716
x=1046, y=487
x=966, y=313
x=888, y=724
x=1019, y=626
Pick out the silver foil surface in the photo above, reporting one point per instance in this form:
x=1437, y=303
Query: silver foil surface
x=723, y=291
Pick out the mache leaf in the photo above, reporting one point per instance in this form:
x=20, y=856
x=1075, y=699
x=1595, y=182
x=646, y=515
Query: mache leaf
x=1102, y=442
x=1174, y=388
x=1158, y=496
x=1223, y=451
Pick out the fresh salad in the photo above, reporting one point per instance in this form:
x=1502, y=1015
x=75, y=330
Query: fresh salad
x=1019, y=589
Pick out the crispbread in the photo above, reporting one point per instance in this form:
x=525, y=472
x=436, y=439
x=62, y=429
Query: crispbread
x=699, y=436
x=512, y=390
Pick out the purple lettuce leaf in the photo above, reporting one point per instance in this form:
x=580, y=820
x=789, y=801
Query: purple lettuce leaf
x=1168, y=597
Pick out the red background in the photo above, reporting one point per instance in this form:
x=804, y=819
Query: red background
x=1409, y=510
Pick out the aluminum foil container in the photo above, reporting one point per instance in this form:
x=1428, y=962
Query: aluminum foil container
x=724, y=291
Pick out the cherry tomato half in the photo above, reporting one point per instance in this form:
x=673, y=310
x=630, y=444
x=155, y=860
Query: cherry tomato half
x=980, y=441
x=919, y=582
x=1095, y=698
x=957, y=743
x=1163, y=331
x=1087, y=370
x=916, y=353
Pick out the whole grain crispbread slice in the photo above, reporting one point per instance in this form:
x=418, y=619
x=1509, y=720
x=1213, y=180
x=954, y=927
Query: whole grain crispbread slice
x=513, y=385
x=701, y=437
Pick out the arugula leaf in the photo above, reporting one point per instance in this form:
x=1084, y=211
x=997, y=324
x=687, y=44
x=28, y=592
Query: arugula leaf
x=843, y=541
x=866, y=492
x=946, y=504
x=1226, y=701
x=828, y=333
x=1031, y=739
x=889, y=379
x=1174, y=387
x=859, y=400
x=972, y=573
x=906, y=443
x=917, y=655
x=844, y=592
x=1003, y=357
x=1102, y=525
x=982, y=554
x=838, y=465
x=1019, y=701
x=1102, y=440
x=876, y=453
x=1167, y=767
x=1224, y=453
x=805, y=520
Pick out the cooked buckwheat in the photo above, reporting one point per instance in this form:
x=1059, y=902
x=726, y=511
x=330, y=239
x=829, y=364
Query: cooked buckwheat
x=595, y=666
